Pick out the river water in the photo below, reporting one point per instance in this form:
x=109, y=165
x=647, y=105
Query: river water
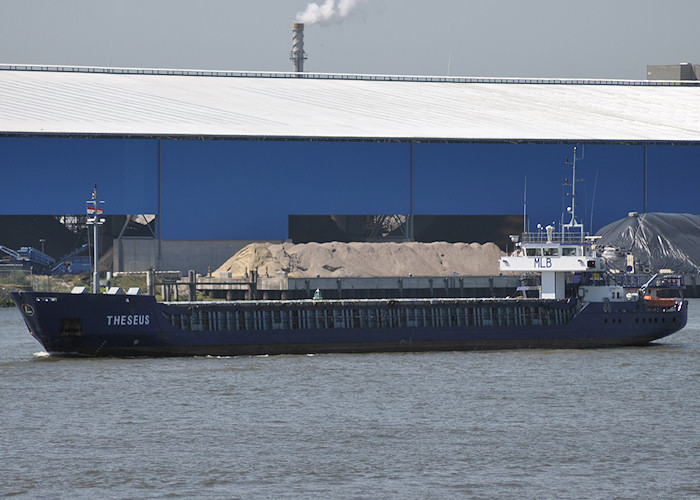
x=602, y=423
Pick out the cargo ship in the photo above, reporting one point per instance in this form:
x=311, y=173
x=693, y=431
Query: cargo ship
x=596, y=312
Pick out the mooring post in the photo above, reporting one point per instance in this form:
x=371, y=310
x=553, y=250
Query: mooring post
x=150, y=285
x=192, y=284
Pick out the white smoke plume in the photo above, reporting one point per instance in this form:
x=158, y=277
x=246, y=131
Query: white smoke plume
x=330, y=12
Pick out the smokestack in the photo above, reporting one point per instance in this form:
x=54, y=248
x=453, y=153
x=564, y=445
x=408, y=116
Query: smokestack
x=298, y=55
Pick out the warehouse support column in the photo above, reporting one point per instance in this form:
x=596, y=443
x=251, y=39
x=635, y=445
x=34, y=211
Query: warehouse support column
x=159, y=263
x=645, y=178
x=409, y=232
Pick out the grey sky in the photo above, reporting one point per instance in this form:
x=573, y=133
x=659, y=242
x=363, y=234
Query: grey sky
x=536, y=38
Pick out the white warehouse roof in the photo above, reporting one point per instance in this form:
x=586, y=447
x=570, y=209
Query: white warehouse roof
x=95, y=101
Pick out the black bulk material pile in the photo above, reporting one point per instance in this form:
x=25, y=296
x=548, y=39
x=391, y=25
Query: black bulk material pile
x=656, y=240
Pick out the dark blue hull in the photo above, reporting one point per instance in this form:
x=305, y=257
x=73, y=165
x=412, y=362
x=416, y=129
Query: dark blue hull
x=119, y=325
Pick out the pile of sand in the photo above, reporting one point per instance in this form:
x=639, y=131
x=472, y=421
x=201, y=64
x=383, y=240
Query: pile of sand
x=334, y=260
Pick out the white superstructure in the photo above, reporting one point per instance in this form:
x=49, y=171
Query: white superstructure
x=554, y=258
x=555, y=255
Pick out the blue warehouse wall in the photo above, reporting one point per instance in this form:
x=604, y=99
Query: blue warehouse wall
x=674, y=179
x=52, y=176
x=218, y=189
x=246, y=189
x=497, y=178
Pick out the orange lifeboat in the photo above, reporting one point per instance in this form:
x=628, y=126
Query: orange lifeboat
x=658, y=302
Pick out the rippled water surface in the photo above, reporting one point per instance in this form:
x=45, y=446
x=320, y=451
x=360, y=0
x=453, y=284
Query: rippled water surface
x=571, y=423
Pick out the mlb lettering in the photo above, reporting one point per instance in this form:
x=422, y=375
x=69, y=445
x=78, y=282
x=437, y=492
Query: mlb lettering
x=541, y=263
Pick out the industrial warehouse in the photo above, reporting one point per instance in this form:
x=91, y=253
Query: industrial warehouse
x=196, y=165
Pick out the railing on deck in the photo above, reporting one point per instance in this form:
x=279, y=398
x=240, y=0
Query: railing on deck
x=567, y=237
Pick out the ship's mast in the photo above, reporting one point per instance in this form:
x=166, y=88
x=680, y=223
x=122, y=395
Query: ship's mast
x=525, y=228
x=558, y=255
x=573, y=224
x=93, y=207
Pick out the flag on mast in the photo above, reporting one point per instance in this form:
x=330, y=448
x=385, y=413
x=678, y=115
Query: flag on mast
x=91, y=209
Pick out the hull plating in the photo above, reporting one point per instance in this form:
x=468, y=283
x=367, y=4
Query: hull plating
x=101, y=325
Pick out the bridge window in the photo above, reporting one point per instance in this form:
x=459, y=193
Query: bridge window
x=568, y=251
x=551, y=252
x=533, y=252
